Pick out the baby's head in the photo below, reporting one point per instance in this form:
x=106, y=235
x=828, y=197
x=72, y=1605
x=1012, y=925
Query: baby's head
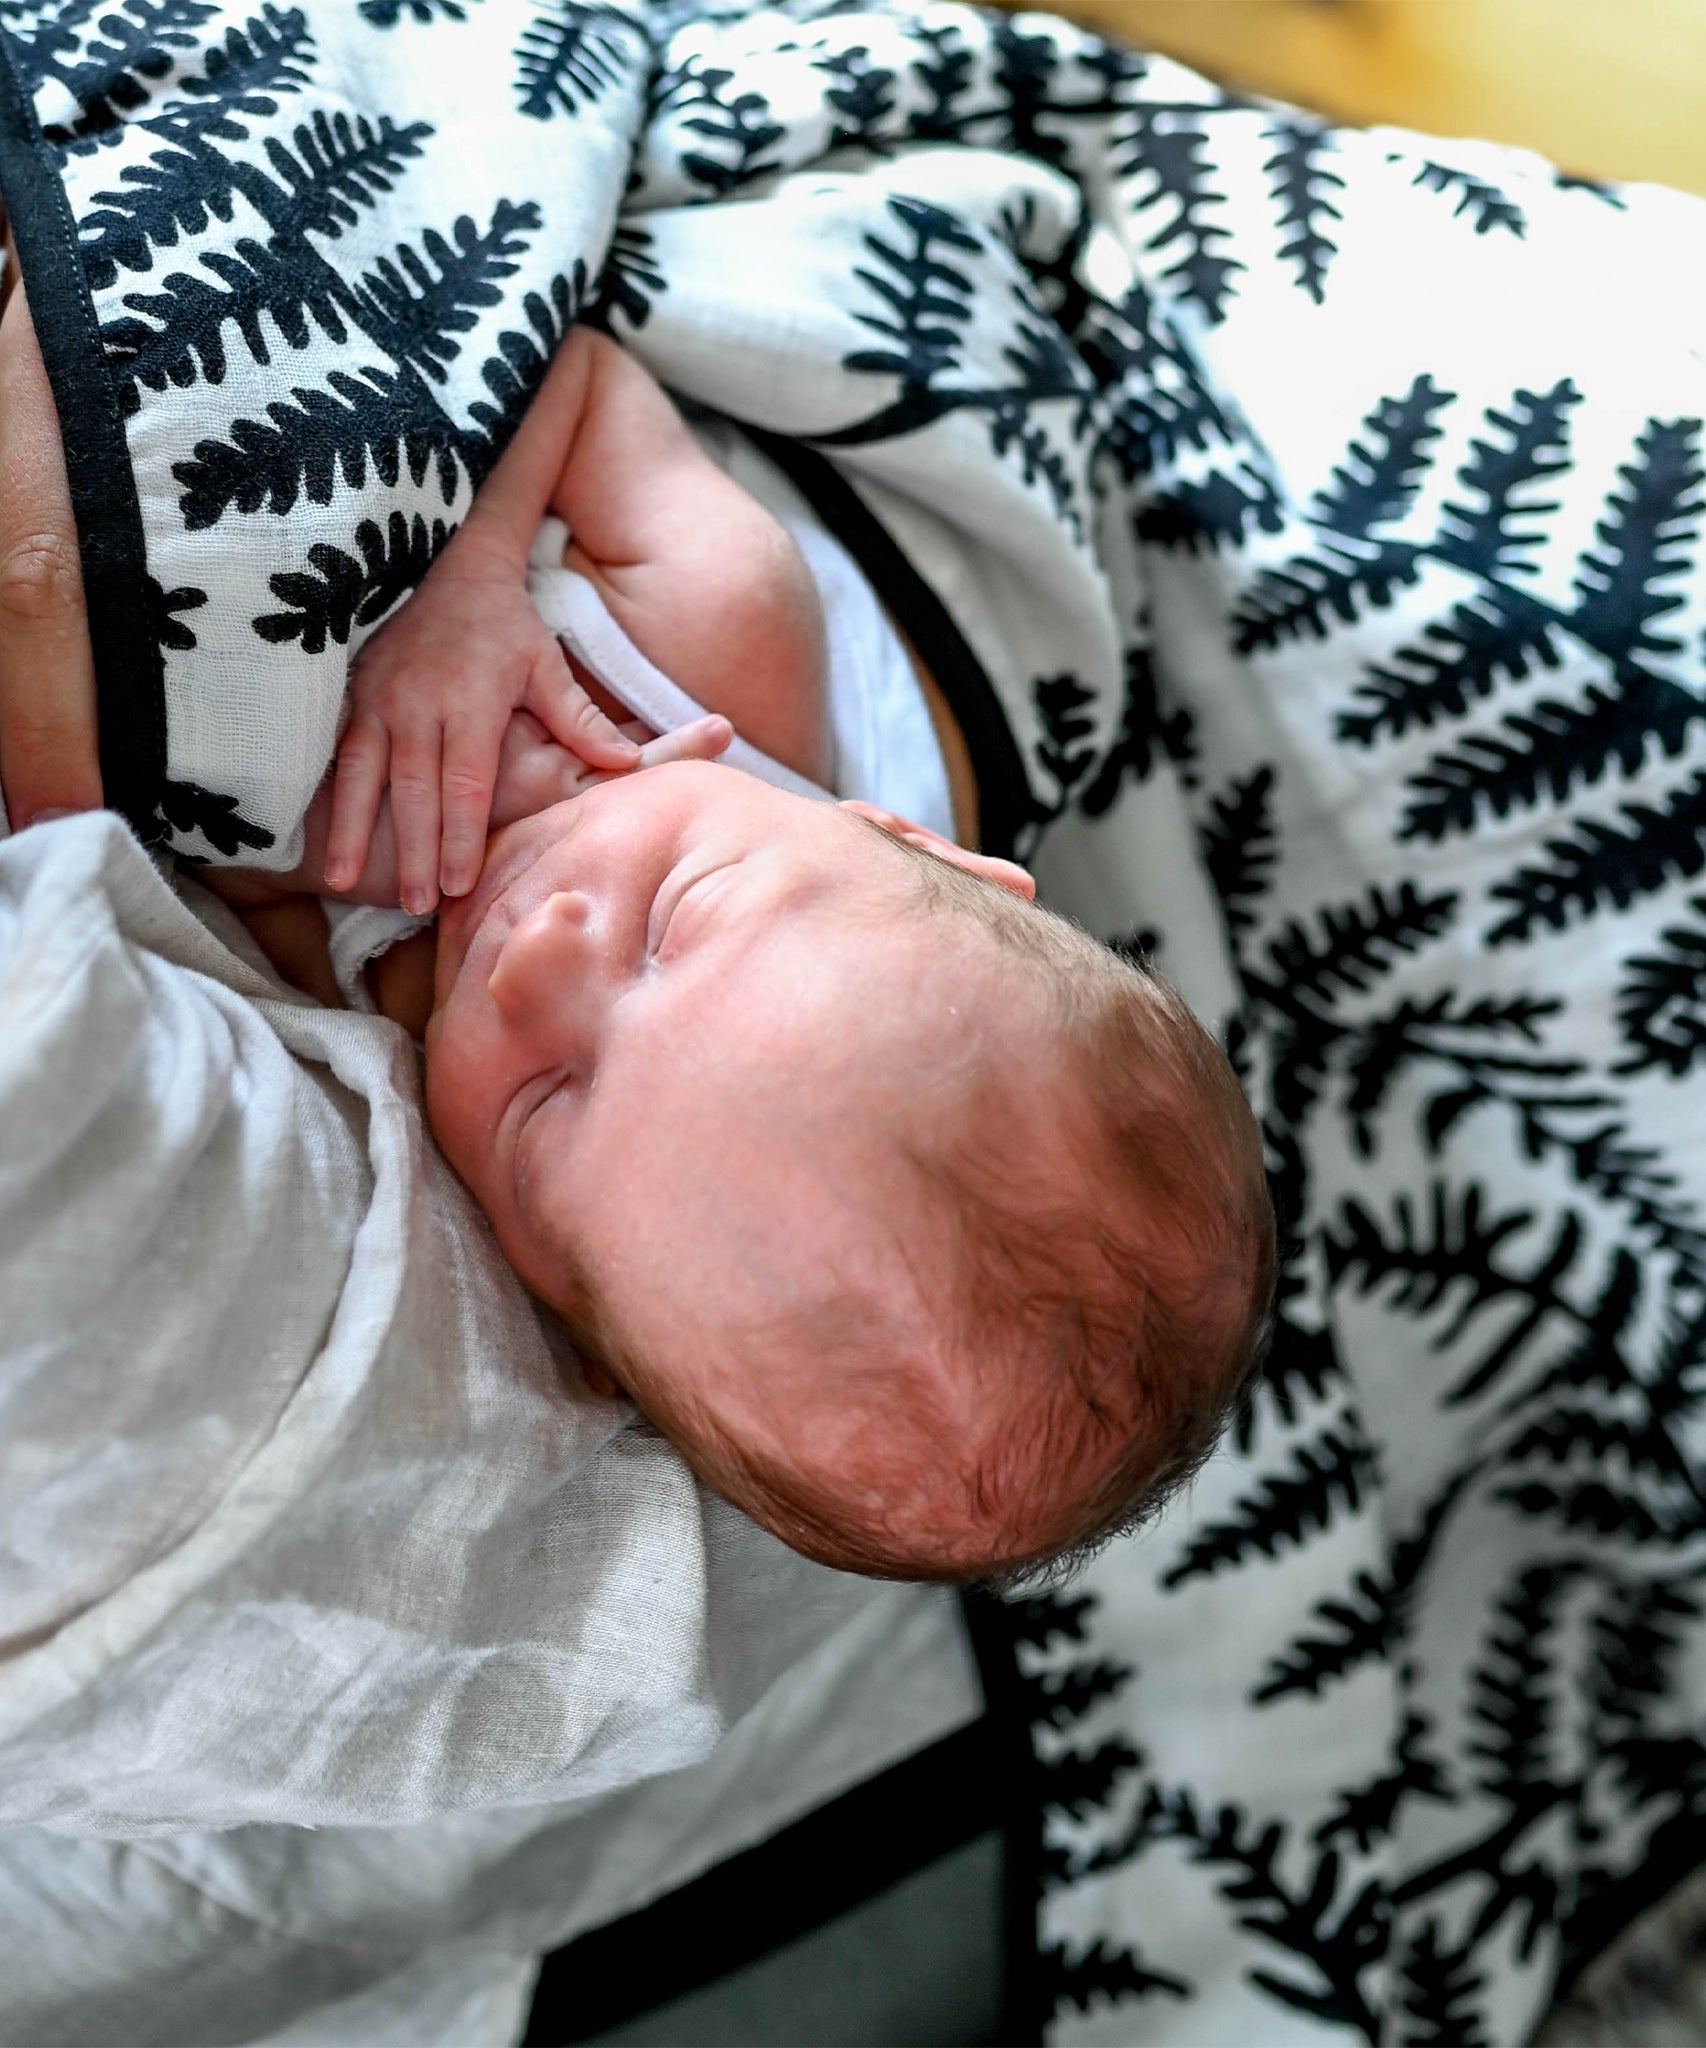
x=931, y=1233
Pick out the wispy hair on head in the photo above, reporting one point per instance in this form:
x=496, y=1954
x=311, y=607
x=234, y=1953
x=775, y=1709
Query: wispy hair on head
x=1108, y=1304
x=1119, y=1298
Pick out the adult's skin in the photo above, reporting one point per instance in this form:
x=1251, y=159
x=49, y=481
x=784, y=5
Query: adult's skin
x=49, y=754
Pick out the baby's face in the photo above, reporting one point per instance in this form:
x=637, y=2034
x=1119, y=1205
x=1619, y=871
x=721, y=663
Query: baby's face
x=680, y=1026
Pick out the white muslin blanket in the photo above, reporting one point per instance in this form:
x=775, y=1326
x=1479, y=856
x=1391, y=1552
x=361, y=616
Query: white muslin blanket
x=300, y=1518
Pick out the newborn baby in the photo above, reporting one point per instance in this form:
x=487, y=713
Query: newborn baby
x=932, y=1233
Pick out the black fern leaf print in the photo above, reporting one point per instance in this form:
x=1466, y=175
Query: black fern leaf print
x=629, y=281
x=1386, y=466
x=1648, y=538
x=1331, y=1929
x=1548, y=751
x=1148, y=731
x=942, y=72
x=1299, y=1368
x=570, y=54
x=1440, y=1989
x=1481, y=203
x=1102, y=1975
x=337, y=170
x=1239, y=847
x=1353, y=944
x=165, y=612
x=1303, y=181
x=1216, y=511
x=1080, y=1780
x=1550, y=747
x=340, y=591
x=1451, y=1258
x=308, y=446
x=387, y=13
x=1371, y=1618
x=736, y=123
x=1497, y=532
x=1460, y=660
x=1360, y=566
x=1066, y=753
x=177, y=334
x=1512, y=1696
x=925, y=295
x=190, y=182
x=516, y=372
x=862, y=97
x=1059, y=1700
x=1166, y=150
x=1163, y=403
x=136, y=46
x=1364, y=1815
x=1599, y=865
x=1661, y=1004
x=1043, y=1621
x=191, y=809
x=1347, y=1634
x=244, y=73
x=1321, y=1479
x=424, y=299
x=1597, y=188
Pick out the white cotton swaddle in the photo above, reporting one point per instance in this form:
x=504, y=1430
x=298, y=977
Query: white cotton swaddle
x=884, y=745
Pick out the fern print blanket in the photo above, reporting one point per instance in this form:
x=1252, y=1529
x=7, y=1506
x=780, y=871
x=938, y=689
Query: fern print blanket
x=1306, y=528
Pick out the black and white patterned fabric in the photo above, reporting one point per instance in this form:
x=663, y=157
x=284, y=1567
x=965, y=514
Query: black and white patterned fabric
x=1306, y=527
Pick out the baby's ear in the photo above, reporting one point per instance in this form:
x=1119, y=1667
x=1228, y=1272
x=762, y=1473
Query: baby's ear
x=1005, y=874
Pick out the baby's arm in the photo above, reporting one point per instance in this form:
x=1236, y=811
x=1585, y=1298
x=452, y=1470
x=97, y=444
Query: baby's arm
x=695, y=571
x=701, y=578
x=434, y=690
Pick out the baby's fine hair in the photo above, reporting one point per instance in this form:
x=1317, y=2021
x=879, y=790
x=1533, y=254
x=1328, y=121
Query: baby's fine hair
x=1125, y=1300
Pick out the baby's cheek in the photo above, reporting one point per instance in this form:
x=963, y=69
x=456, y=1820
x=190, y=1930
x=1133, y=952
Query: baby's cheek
x=456, y=1114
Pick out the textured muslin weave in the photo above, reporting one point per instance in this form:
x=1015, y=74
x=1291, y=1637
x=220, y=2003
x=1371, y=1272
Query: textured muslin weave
x=301, y=1521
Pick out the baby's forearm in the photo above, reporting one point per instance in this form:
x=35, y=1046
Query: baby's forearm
x=498, y=533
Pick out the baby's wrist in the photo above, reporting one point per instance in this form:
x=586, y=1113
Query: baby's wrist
x=488, y=548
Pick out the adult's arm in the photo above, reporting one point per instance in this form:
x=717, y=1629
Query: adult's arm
x=49, y=757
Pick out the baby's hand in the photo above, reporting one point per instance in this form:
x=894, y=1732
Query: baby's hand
x=534, y=772
x=431, y=700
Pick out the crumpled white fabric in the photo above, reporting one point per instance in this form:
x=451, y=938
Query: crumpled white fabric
x=300, y=1520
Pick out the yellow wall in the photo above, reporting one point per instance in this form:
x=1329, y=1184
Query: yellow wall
x=1613, y=88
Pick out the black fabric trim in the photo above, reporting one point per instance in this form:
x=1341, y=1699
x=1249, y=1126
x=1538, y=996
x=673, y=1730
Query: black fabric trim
x=130, y=682
x=848, y=1851
x=1025, y=2004
x=1005, y=801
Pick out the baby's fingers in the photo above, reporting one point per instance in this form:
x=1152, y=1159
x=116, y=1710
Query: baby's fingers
x=416, y=780
x=357, y=788
x=703, y=740
x=574, y=720
x=470, y=773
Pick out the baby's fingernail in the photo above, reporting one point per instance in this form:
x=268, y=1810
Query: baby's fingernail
x=417, y=902
x=45, y=818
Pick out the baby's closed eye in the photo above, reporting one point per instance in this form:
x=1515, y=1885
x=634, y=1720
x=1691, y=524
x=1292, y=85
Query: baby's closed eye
x=676, y=908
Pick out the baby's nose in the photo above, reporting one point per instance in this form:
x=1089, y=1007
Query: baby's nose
x=546, y=945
